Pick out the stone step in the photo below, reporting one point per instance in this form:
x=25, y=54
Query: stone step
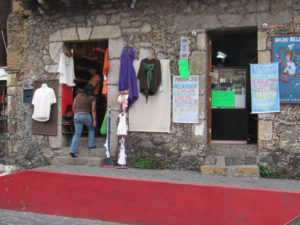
x=87, y=161
x=231, y=171
x=232, y=150
x=85, y=152
x=230, y=160
x=83, y=142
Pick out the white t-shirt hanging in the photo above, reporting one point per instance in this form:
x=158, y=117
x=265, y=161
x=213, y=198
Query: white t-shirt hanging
x=42, y=100
x=66, y=70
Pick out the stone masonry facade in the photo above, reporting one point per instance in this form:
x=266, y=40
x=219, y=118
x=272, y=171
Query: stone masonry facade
x=35, y=41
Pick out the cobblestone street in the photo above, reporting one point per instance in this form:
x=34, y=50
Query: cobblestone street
x=10, y=217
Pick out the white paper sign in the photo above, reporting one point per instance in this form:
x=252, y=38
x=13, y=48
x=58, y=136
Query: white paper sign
x=184, y=51
x=185, y=99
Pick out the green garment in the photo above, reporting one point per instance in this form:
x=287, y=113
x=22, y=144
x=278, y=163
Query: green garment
x=103, y=129
x=149, y=68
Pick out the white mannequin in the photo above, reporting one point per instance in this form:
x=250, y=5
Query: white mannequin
x=44, y=85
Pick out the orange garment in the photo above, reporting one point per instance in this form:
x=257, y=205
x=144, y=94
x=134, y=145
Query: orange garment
x=96, y=82
x=105, y=71
x=106, y=63
x=104, y=89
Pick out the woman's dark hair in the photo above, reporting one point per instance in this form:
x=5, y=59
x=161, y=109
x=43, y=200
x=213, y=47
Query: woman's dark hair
x=88, y=90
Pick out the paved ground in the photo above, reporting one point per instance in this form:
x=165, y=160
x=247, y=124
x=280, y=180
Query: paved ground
x=182, y=176
x=9, y=217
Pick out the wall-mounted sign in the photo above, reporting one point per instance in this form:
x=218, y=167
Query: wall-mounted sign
x=264, y=88
x=223, y=98
x=185, y=99
x=3, y=74
x=286, y=51
x=184, y=67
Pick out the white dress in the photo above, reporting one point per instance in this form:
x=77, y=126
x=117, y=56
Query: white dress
x=122, y=126
x=66, y=70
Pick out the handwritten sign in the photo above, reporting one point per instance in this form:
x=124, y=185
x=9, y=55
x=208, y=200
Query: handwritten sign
x=264, y=88
x=185, y=99
x=184, y=67
x=223, y=99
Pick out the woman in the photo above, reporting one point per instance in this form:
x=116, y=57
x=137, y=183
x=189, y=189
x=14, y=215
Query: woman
x=84, y=104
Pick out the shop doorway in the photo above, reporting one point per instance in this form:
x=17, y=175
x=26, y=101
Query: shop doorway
x=86, y=55
x=229, y=105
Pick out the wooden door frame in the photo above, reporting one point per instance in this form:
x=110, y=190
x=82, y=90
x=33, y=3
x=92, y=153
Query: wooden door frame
x=209, y=35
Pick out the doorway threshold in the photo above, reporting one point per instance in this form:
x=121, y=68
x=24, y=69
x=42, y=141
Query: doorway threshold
x=233, y=142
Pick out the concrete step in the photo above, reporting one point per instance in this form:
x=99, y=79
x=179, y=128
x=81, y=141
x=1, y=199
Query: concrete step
x=84, y=152
x=231, y=171
x=230, y=160
x=83, y=142
x=87, y=161
x=232, y=150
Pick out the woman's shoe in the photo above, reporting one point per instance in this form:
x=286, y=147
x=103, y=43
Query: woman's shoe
x=74, y=155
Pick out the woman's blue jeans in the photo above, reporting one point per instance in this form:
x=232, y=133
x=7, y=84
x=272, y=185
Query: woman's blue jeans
x=81, y=119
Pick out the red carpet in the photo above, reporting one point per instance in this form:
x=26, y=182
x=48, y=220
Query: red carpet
x=138, y=201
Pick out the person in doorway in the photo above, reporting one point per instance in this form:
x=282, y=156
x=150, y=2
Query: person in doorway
x=95, y=81
x=84, y=105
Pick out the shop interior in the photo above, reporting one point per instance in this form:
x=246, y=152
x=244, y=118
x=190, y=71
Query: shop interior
x=86, y=55
x=232, y=53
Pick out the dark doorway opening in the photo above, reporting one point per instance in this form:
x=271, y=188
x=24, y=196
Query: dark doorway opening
x=231, y=54
x=87, y=55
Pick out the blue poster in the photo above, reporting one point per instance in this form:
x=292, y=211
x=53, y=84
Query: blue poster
x=264, y=88
x=286, y=51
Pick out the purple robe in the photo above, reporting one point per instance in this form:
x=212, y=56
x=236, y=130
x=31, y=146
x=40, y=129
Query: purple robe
x=127, y=76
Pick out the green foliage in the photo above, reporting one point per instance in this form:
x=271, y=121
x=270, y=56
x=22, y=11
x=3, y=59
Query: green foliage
x=267, y=173
x=144, y=163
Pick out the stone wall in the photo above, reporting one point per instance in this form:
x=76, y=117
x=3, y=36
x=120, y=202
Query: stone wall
x=152, y=26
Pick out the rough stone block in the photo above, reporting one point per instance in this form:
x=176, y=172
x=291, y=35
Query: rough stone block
x=230, y=20
x=112, y=97
x=197, y=62
x=264, y=57
x=113, y=72
x=84, y=32
x=201, y=41
x=69, y=34
x=248, y=20
x=11, y=79
x=213, y=170
x=265, y=129
x=144, y=53
x=51, y=68
x=115, y=48
x=107, y=31
x=234, y=160
x=55, y=49
x=202, y=107
x=202, y=84
x=250, y=160
x=56, y=36
x=146, y=28
x=277, y=18
x=101, y=19
x=261, y=40
x=246, y=171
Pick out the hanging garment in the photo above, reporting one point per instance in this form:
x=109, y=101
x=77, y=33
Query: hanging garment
x=127, y=76
x=104, y=73
x=96, y=83
x=122, y=126
x=122, y=155
x=106, y=63
x=42, y=100
x=66, y=98
x=66, y=70
x=103, y=129
x=149, y=76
